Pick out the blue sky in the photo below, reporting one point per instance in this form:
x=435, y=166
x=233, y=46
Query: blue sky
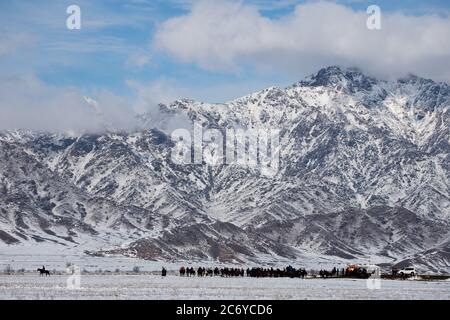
x=125, y=45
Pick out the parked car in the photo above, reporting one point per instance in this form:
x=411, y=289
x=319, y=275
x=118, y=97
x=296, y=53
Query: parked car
x=407, y=272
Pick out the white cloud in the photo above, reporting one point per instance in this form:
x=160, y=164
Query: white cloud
x=28, y=103
x=148, y=98
x=219, y=35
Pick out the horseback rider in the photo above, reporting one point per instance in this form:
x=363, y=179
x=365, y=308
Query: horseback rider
x=43, y=271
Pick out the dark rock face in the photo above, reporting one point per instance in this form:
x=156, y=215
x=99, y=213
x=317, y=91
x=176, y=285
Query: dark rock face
x=7, y=238
x=364, y=174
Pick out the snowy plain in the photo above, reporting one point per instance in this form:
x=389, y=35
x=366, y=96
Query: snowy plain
x=111, y=278
x=142, y=287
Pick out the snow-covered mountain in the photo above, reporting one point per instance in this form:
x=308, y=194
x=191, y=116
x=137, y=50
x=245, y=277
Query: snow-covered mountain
x=364, y=174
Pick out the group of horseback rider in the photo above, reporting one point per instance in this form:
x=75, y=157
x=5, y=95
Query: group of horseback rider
x=203, y=272
x=239, y=272
x=288, y=272
x=332, y=274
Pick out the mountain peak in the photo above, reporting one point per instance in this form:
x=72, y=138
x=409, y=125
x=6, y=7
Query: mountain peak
x=351, y=79
x=414, y=79
x=326, y=76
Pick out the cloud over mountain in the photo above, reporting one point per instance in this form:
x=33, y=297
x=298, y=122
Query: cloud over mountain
x=28, y=103
x=225, y=36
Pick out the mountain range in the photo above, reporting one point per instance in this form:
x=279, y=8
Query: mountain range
x=364, y=175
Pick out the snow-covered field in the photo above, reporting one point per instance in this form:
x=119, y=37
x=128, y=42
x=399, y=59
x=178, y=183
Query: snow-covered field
x=30, y=286
x=114, y=283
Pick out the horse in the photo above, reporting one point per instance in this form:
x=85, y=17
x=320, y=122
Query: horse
x=200, y=271
x=44, y=272
x=188, y=271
